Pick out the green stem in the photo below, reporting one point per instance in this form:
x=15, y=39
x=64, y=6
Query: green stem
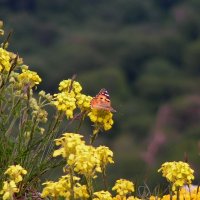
x=52, y=132
x=8, y=131
x=26, y=159
x=90, y=187
x=7, y=39
x=104, y=179
x=1, y=86
x=178, y=194
x=170, y=191
x=80, y=123
x=93, y=138
x=35, y=124
x=12, y=110
x=53, y=126
x=55, y=198
x=72, y=181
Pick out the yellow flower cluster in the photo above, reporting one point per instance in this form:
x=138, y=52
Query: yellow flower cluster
x=70, y=85
x=183, y=195
x=9, y=188
x=123, y=187
x=102, y=119
x=4, y=60
x=83, y=102
x=66, y=99
x=15, y=173
x=28, y=78
x=105, y=155
x=68, y=144
x=86, y=159
x=80, y=191
x=62, y=188
x=118, y=197
x=105, y=195
x=66, y=102
x=102, y=195
x=177, y=173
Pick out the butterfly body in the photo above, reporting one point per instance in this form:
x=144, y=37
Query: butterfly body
x=102, y=101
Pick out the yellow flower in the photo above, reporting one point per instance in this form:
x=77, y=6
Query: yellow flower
x=178, y=173
x=61, y=188
x=83, y=102
x=123, y=187
x=80, y=192
x=67, y=85
x=102, y=195
x=195, y=194
x=154, y=198
x=4, y=60
x=68, y=144
x=133, y=198
x=55, y=189
x=9, y=188
x=102, y=119
x=28, y=78
x=118, y=197
x=15, y=173
x=66, y=102
x=85, y=161
x=184, y=194
x=105, y=156
x=67, y=98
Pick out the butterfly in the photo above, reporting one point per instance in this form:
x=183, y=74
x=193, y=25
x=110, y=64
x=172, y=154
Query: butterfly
x=102, y=101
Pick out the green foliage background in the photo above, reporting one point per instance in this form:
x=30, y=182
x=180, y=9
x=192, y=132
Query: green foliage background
x=145, y=53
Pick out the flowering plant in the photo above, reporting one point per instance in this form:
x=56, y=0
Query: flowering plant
x=31, y=141
x=177, y=173
x=28, y=132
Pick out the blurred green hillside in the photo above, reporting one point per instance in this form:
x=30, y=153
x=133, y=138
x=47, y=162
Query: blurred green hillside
x=145, y=53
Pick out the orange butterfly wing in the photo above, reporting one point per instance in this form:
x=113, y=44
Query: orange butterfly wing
x=102, y=101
